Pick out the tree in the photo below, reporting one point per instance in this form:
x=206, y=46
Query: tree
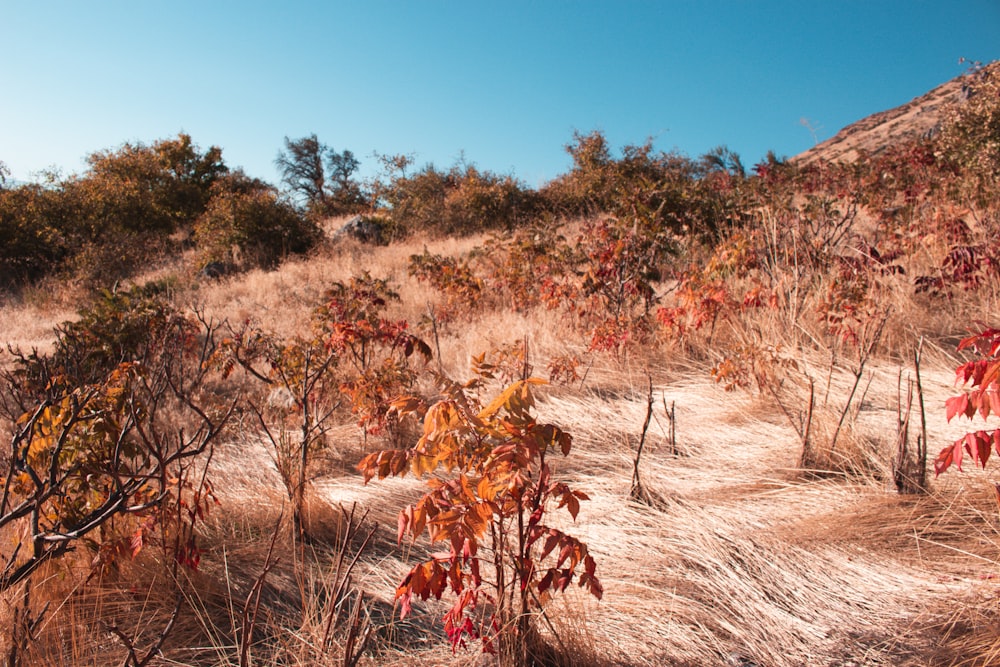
x=139, y=188
x=344, y=190
x=320, y=175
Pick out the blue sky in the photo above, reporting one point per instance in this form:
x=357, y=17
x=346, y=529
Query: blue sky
x=504, y=83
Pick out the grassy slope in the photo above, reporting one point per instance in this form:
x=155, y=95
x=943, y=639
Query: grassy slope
x=740, y=560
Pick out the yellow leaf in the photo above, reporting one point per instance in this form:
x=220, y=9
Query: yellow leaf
x=517, y=394
x=422, y=464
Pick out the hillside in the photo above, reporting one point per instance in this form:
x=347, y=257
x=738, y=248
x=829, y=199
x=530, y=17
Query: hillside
x=658, y=413
x=920, y=117
x=736, y=557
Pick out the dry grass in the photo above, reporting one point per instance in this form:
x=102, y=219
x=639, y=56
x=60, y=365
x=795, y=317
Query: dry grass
x=27, y=322
x=740, y=560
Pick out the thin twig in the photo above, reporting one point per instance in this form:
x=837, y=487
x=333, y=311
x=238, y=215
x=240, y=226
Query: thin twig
x=638, y=492
x=922, y=440
x=249, y=619
x=864, y=354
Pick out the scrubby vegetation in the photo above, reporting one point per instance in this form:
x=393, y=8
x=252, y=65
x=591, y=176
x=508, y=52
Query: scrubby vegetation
x=187, y=476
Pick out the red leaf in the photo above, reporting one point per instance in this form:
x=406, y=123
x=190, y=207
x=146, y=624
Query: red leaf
x=982, y=402
x=550, y=543
x=978, y=446
x=572, y=504
x=945, y=459
x=967, y=342
x=564, y=554
x=956, y=405
x=546, y=581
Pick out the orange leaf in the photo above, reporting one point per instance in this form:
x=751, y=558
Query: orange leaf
x=405, y=405
x=404, y=520
x=485, y=489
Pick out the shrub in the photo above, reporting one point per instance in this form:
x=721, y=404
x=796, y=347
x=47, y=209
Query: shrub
x=104, y=433
x=246, y=223
x=530, y=266
x=113, y=218
x=139, y=188
x=353, y=350
x=33, y=240
x=128, y=326
x=970, y=138
x=454, y=278
x=463, y=200
x=501, y=560
x=670, y=189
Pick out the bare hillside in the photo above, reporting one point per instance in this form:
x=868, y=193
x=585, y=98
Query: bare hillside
x=918, y=117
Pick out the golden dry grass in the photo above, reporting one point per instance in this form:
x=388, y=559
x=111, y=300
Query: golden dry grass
x=740, y=560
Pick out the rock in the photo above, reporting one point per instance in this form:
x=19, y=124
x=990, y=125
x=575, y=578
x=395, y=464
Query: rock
x=214, y=270
x=366, y=230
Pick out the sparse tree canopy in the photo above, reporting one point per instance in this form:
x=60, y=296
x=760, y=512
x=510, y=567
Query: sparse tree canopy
x=320, y=176
x=721, y=158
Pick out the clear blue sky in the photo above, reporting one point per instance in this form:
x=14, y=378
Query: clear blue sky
x=506, y=82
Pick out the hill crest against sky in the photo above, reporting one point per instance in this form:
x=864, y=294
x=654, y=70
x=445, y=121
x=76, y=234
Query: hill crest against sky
x=873, y=134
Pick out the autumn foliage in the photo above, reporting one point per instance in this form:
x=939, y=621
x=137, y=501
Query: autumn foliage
x=500, y=559
x=352, y=351
x=982, y=375
x=106, y=432
x=636, y=254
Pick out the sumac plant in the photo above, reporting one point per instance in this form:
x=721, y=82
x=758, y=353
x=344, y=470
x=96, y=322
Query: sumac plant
x=103, y=436
x=983, y=397
x=499, y=557
x=352, y=351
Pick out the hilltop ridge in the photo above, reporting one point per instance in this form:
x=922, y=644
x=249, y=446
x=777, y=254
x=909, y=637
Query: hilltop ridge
x=919, y=117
